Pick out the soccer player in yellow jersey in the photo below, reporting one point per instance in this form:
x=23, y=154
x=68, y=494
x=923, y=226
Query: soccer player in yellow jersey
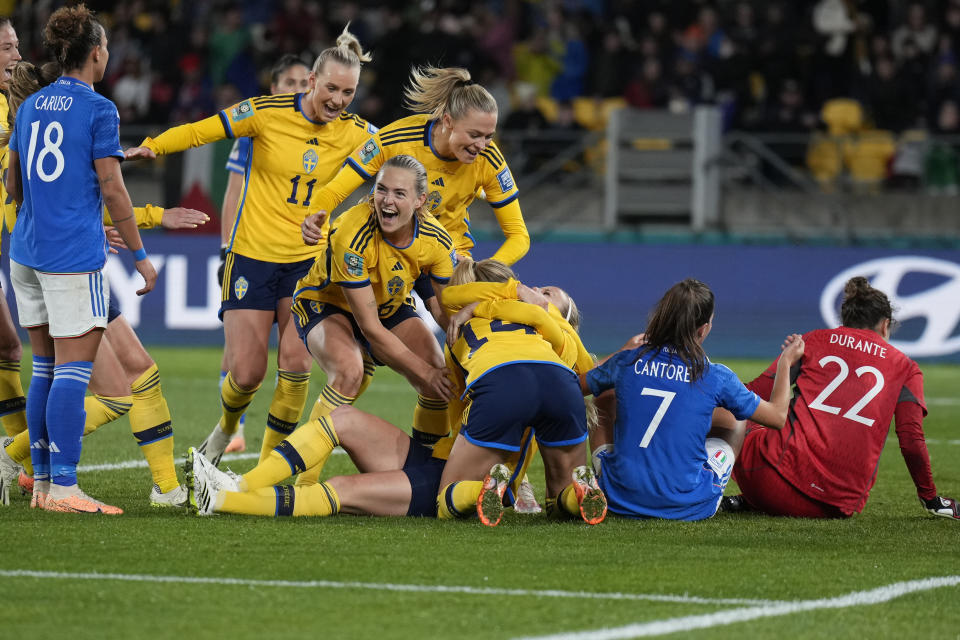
x=12, y=400
x=398, y=476
x=352, y=308
x=288, y=75
x=452, y=135
x=299, y=142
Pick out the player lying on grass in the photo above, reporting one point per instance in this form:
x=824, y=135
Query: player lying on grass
x=666, y=461
x=124, y=377
x=402, y=476
x=849, y=385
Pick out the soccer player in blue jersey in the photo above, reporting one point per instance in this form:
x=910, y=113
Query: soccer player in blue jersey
x=64, y=167
x=666, y=461
x=290, y=74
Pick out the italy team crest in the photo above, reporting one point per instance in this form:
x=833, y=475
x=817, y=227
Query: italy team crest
x=310, y=160
x=395, y=285
x=433, y=200
x=240, y=287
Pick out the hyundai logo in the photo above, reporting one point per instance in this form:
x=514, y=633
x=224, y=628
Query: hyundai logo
x=938, y=306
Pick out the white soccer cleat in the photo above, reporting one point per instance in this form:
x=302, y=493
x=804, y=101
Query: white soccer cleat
x=215, y=444
x=9, y=472
x=176, y=497
x=200, y=480
x=525, y=501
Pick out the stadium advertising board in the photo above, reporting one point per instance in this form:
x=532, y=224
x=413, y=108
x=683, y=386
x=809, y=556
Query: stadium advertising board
x=763, y=292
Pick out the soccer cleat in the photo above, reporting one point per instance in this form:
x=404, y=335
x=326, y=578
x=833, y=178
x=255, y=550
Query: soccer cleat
x=593, y=504
x=525, y=501
x=202, y=489
x=734, y=504
x=79, y=502
x=9, y=472
x=490, y=500
x=26, y=483
x=215, y=444
x=943, y=507
x=176, y=497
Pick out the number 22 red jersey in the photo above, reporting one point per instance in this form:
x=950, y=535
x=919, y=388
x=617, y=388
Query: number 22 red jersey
x=847, y=387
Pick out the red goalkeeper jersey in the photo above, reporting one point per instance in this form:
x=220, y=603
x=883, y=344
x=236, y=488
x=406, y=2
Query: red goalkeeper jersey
x=848, y=387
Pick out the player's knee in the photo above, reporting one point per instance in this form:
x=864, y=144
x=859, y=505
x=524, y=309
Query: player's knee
x=10, y=348
x=347, y=379
x=247, y=377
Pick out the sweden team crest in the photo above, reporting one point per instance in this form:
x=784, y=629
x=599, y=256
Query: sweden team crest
x=310, y=160
x=240, y=287
x=315, y=306
x=434, y=200
x=395, y=285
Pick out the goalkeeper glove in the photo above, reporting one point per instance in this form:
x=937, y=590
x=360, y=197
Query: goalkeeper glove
x=940, y=506
x=223, y=262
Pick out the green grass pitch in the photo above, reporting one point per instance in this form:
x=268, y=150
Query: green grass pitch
x=355, y=577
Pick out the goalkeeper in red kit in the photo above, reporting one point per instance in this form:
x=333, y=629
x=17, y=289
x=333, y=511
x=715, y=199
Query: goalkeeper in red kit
x=848, y=386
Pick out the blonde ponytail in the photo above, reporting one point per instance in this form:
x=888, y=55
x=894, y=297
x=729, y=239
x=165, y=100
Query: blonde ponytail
x=438, y=91
x=347, y=52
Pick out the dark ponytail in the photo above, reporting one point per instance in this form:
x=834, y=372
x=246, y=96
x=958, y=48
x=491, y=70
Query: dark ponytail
x=686, y=307
x=863, y=306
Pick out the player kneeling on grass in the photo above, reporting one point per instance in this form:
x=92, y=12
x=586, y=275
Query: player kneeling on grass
x=666, y=461
x=849, y=385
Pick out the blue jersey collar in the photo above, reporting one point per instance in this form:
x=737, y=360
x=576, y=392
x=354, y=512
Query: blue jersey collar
x=297, y=106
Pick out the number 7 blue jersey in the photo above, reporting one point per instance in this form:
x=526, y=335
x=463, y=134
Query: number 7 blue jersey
x=658, y=465
x=59, y=132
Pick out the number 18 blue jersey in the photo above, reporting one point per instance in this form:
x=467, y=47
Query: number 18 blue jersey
x=59, y=132
x=658, y=467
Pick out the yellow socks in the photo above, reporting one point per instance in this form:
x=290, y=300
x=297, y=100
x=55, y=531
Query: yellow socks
x=284, y=500
x=19, y=451
x=429, y=420
x=307, y=447
x=12, y=401
x=286, y=408
x=458, y=499
x=103, y=409
x=234, y=401
x=565, y=505
x=151, y=426
x=329, y=400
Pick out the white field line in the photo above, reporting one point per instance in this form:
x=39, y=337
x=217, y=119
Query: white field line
x=140, y=463
x=385, y=586
x=948, y=402
x=733, y=616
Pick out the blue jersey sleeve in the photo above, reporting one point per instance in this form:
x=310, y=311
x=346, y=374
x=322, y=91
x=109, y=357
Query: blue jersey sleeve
x=734, y=396
x=604, y=376
x=106, y=131
x=237, y=162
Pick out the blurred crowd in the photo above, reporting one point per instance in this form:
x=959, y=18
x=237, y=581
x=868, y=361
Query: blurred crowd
x=769, y=65
x=556, y=65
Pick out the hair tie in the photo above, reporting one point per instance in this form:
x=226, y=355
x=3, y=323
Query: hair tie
x=467, y=83
x=569, y=311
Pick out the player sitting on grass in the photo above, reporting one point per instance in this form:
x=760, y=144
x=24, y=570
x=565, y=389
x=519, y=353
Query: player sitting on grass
x=849, y=385
x=666, y=461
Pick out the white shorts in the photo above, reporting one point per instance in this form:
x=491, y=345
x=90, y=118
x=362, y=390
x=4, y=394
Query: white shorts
x=73, y=304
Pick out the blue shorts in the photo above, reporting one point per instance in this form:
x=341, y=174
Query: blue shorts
x=504, y=401
x=113, y=309
x=309, y=313
x=255, y=284
x=423, y=471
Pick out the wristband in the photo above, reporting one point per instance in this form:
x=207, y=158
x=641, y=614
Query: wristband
x=140, y=254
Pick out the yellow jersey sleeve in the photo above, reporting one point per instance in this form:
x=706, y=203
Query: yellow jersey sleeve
x=147, y=217
x=517, y=239
x=186, y=136
x=9, y=206
x=574, y=353
x=458, y=296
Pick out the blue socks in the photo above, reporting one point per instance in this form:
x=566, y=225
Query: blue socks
x=65, y=418
x=40, y=382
